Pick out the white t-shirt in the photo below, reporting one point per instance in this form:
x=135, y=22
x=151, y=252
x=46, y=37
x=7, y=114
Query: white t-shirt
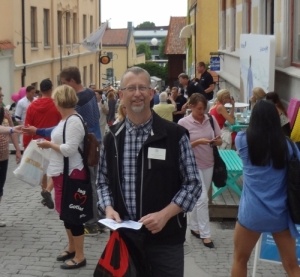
x=21, y=109
x=74, y=134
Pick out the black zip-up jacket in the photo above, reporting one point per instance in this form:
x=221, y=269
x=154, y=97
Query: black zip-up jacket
x=157, y=181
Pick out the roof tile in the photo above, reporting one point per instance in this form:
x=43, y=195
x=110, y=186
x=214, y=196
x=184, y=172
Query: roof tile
x=6, y=45
x=115, y=37
x=174, y=44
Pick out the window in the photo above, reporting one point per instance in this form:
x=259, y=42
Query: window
x=232, y=24
x=46, y=27
x=75, y=37
x=296, y=32
x=91, y=73
x=247, y=17
x=84, y=26
x=33, y=26
x=84, y=75
x=59, y=27
x=110, y=75
x=68, y=28
x=223, y=25
x=268, y=27
x=91, y=24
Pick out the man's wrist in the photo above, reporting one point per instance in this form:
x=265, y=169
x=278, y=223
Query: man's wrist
x=11, y=130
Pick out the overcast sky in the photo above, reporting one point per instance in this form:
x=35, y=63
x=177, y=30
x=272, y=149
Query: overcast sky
x=119, y=12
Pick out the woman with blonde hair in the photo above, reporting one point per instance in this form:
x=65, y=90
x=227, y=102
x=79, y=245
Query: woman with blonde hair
x=121, y=114
x=257, y=94
x=111, y=100
x=65, y=99
x=221, y=114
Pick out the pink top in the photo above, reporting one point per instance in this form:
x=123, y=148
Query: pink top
x=220, y=118
x=203, y=153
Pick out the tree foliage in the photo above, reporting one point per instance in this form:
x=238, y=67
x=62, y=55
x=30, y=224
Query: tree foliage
x=155, y=69
x=145, y=25
x=144, y=48
x=162, y=49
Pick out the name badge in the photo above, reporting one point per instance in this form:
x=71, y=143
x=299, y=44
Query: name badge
x=156, y=153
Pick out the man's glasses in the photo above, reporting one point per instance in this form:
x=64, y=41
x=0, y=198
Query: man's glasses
x=135, y=88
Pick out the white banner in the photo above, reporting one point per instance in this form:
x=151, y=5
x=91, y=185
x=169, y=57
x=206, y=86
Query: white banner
x=92, y=42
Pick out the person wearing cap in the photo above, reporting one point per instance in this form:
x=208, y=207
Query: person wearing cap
x=42, y=113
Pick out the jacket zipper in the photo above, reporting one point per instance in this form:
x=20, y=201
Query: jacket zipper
x=142, y=182
x=120, y=185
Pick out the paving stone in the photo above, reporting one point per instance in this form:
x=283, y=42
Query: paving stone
x=34, y=236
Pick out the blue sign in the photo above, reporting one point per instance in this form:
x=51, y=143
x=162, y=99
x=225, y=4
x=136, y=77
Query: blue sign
x=215, y=63
x=269, y=250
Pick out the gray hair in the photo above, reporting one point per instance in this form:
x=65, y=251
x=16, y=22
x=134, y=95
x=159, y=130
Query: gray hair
x=163, y=96
x=137, y=71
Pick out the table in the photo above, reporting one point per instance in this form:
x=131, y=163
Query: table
x=237, y=126
x=234, y=171
x=241, y=121
x=237, y=105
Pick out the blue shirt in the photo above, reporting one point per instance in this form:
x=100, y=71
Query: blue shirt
x=263, y=204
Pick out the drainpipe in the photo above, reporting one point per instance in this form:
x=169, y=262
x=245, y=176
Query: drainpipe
x=23, y=75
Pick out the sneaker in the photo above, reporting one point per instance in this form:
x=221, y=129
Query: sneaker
x=91, y=230
x=2, y=224
x=47, y=199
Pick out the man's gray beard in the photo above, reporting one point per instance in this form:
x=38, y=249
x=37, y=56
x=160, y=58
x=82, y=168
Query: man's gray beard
x=138, y=109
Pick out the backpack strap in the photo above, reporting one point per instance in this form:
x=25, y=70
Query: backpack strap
x=211, y=122
x=85, y=137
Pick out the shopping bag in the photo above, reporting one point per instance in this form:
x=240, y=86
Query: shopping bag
x=77, y=200
x=33, y=165
x=123, y=256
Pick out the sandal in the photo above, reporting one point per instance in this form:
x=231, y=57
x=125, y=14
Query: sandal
x=73, y=265
x=66, y=255
x=47, y=199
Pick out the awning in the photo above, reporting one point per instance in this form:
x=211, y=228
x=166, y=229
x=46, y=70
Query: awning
x=6, y=45
x=187, y=31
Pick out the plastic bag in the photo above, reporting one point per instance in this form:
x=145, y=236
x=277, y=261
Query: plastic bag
x=33, y=165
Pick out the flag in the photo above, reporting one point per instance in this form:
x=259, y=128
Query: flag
x=92, y=42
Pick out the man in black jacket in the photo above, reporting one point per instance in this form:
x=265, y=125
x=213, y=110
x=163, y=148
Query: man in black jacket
x=148, y=173
x=205, y=80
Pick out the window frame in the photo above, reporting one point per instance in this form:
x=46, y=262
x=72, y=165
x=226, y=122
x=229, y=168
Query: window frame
x=46, y=25
x=33, y=27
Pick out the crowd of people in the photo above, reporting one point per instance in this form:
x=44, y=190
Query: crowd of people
x=158, y=145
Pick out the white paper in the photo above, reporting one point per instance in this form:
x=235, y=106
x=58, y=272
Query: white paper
x=112, y=224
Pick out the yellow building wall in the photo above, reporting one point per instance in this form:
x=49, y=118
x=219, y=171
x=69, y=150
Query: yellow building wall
x=44, y=61
x=207, y=24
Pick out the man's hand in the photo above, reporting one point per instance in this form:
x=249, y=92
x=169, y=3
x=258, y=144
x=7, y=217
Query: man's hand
x=112, y=214
x=29, y=130
x=154, y=222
